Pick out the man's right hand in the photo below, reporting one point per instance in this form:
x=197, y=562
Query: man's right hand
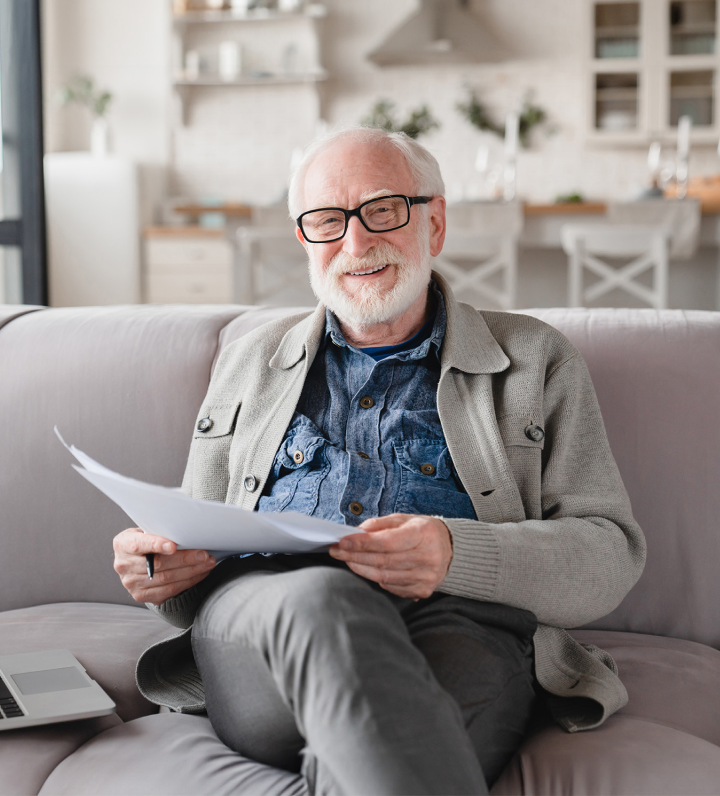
x=175, y=570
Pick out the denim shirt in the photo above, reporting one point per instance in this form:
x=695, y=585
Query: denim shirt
x=366, y=439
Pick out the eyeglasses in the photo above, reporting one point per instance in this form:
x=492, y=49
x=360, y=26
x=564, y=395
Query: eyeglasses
x=328, y=224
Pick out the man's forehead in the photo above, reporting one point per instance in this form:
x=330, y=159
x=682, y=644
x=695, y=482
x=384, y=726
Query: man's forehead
x=355, y=172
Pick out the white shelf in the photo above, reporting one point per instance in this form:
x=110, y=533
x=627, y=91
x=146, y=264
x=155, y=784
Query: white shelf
x=312, y=77
x=234, y=16
x=263, y=63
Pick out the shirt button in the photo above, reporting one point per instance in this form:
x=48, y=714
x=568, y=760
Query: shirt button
x=363, y=455
x=367, y=402
x=251, y=483
x=205, y=424
x=427, y=469
x=535, y=433
x=298, y=457
x=356, y=508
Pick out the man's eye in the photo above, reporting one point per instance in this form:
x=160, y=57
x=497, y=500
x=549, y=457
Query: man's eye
x=327, y=220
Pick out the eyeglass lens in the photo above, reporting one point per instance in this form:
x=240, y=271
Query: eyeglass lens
x=380, y=215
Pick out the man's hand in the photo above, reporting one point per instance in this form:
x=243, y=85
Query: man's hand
x=175, y=570
x=406, y=554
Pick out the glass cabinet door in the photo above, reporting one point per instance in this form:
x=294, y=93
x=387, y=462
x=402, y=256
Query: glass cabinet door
x=692, y=27
x=616, y=101
x=617, y=30
x=692, y=94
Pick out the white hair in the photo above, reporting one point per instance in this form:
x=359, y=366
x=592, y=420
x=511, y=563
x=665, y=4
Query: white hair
x=423, y=166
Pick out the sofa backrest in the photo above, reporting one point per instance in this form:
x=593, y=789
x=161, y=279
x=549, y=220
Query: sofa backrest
x=125, y=384
x=657, y=378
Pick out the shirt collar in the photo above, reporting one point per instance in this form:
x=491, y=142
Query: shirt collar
x=333, y=333
x=468, y=343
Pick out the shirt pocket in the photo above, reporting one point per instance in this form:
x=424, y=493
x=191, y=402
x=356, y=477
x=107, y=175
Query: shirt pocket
x=299, y=468
x=428, y=482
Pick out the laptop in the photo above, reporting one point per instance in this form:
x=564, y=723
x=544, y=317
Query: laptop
x=47, y=687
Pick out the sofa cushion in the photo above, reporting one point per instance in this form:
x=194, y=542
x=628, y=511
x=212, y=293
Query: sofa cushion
x=669, y=681
x=106, y=639
x=27, y=757
x=624, y=757
x=665, y=741
x=168, y=754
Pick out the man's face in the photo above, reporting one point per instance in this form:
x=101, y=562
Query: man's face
x=367, y=277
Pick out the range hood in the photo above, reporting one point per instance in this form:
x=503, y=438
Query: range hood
x=439, y=32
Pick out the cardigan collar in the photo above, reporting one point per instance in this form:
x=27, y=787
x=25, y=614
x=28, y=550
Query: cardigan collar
x=468, y=345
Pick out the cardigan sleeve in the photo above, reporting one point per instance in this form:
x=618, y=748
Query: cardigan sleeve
x=576, y=563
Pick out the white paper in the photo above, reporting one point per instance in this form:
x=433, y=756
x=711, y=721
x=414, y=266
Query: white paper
x=221, y=528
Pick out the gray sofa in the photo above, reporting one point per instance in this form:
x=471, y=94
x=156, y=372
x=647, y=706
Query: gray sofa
x=124, y=384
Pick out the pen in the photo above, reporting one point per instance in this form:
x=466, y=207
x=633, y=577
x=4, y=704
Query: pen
x=150, y=564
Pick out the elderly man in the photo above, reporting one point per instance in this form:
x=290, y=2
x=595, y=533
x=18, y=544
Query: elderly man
x=468, y=450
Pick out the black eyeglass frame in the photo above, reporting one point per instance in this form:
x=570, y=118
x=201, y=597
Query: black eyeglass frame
x=409, y=200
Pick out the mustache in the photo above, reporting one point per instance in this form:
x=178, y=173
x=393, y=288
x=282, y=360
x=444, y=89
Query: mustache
x=382, y=254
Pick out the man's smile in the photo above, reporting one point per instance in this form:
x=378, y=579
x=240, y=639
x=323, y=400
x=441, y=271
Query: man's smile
x=375, y=270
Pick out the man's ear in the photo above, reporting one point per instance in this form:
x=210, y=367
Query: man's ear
x=301, y=238
x=437, y=225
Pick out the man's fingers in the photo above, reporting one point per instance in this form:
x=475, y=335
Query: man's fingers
x=397, y=538
x=375, y=524
x=183, y=559
x=158, y=594
x=134, y=542
x=386, y=561
x=404, y=584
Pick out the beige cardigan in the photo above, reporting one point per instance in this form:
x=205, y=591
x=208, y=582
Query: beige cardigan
x=555, y=533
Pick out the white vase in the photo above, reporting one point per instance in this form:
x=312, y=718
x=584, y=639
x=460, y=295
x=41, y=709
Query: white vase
x=100, y=137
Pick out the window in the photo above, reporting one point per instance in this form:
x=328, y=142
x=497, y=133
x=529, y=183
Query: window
x=22, y=207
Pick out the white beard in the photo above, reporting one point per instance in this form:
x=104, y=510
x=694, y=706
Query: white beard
x=372, y=304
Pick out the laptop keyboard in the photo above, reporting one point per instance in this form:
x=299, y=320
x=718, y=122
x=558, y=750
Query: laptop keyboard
x=9, y=708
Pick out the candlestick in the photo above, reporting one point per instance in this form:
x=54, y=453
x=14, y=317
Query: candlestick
x=683, y=139
x=683, y=151
x=512, y=133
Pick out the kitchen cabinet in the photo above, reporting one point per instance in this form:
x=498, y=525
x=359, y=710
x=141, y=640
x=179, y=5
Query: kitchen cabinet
x=649, y=63
x=187, y=265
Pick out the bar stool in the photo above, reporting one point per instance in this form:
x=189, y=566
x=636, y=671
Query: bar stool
x=482, y=241
x=680, y=216
x=647, y=245
x=271, y=266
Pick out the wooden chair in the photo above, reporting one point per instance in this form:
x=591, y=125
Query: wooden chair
x=647, y=245
x=482, y=241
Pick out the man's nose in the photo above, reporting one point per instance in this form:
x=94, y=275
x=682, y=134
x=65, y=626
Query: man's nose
x=358, y=241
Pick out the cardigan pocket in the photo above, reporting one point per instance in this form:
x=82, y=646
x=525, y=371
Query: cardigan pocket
x=216, y=420
x=522, y=430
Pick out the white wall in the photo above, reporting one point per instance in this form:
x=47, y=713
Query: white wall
x=239, y=140
x=123, y=45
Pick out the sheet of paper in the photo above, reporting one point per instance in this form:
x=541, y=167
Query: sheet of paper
x=219, y=527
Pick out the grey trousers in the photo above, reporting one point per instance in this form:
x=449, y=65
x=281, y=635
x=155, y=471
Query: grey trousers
x=309, y=667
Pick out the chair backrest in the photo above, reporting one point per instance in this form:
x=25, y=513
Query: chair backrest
x=681, y=217
x=486, y=219
x=612, y=240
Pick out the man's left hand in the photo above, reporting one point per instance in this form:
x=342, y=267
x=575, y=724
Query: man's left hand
x=407, y=554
